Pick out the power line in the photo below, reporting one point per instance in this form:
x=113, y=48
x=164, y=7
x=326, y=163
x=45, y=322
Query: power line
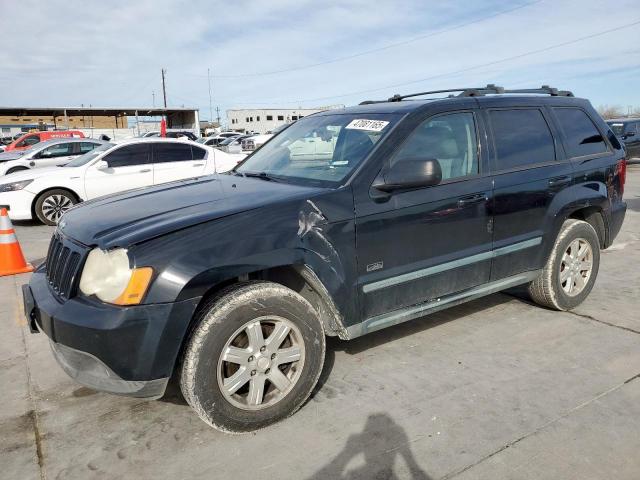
x=463, y=70
x=378, y=49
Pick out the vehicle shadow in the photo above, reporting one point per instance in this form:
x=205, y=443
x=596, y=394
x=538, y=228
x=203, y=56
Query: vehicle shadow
x=375, y=339
x=432, y=320
x=371, y=340
x=379, y=444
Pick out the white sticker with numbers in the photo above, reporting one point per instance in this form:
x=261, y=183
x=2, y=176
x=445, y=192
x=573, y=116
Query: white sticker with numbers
x=370, y=125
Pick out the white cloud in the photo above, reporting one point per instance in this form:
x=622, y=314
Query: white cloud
x=72, y=52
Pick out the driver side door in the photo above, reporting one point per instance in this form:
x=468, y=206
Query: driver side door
x=128, y=167
x=417, y=245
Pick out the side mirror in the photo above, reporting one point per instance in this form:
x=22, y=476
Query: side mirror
x=102, y=165
x=44, y=154
x=410, y=172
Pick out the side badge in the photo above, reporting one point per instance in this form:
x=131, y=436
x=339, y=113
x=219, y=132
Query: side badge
x=372, y=267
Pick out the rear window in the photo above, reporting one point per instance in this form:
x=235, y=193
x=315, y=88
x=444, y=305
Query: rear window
x=581, y=135
x=522, y=137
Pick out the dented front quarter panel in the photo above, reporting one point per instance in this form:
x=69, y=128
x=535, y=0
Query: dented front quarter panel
x=315, y=234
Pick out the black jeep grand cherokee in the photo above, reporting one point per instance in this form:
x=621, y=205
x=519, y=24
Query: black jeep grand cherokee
x=346, y=222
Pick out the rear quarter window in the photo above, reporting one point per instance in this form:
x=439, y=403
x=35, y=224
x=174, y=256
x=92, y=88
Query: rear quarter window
x=581, y=135
x=522, y=137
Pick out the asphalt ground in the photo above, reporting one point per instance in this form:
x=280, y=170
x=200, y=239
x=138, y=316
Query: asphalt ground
x=496, y=388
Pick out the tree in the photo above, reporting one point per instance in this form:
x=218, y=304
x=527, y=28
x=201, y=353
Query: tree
x=610, y=111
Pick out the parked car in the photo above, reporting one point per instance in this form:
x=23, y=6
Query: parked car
x=173, y=134
x=628, y=129
x=234, y=281
x=216, y=140
x=51, y=153
x=256, y=141
x=30, y=139
x=48, y=193
x=233, y=144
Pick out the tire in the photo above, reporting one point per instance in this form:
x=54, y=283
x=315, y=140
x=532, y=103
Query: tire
x=16, y=169
x=51, y=204
x=549, y=289
x=206, y=378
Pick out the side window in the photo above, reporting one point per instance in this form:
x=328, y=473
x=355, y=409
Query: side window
x=128, y=156
x=171, y=152
x=87, y=146
x=522, y=137
x=450, y=139
x=62, y=150
x=582, y=136
x=198, y=153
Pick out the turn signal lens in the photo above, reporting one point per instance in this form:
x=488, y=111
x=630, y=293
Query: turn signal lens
x=137, y=287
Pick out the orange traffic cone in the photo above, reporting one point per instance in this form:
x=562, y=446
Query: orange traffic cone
x=11, y=259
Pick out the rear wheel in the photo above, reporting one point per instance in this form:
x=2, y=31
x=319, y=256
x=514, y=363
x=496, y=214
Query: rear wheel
x=571, y=270
x=51, y=205
x=254, y=357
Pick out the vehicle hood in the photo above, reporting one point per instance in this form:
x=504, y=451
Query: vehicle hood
x=11, y=155
x=35, y=173
x=132, y=217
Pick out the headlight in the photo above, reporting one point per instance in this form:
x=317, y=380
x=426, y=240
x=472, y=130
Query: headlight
x=12, y=187
x=107, y=275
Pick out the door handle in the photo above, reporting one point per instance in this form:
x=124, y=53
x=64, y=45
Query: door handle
x=145, y=170
x=559, y=181
x=472, y=199
x=198, y=164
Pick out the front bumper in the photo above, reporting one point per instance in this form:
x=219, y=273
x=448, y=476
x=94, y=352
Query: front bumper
x=122, y=350
x=18, y=203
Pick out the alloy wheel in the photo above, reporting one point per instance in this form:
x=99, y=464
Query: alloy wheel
x=576, y=266
x=261, y=363
x=54, y=206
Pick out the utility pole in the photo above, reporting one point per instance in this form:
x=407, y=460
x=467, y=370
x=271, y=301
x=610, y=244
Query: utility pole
x=164, y=88
x=210, y=102
x=218, y=114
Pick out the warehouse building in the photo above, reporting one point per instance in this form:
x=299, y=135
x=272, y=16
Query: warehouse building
x=266, y=119
x=24, y=119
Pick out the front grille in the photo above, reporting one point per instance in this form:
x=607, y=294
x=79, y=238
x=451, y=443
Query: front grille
x=63, y=266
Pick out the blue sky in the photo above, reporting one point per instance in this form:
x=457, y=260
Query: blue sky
x=84, y=52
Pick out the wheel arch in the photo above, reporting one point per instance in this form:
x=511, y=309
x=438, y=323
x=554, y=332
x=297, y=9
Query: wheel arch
x=48, y=189
x=299, y=278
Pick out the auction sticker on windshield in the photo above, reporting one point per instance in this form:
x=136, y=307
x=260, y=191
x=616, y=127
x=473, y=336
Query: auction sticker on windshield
x=370, y=125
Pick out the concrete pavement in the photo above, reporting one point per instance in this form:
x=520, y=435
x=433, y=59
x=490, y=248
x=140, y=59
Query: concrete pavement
x=496, y=388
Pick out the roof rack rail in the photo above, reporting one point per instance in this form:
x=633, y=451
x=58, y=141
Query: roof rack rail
x=490, y=89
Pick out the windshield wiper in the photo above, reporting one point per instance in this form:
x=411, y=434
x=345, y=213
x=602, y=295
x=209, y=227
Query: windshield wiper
x=261, y=175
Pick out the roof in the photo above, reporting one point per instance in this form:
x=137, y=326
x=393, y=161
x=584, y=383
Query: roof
x=55, y=141
x=59, y=111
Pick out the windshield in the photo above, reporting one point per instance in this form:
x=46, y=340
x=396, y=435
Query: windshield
x=322, y=149
x=87, y=157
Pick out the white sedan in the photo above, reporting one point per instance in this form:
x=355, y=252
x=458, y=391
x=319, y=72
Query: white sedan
x=49, y=192
x=52, y=153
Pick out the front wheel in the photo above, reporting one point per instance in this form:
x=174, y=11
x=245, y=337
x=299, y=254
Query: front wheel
x=253, y=358
x=51, y=205
x=571, y=270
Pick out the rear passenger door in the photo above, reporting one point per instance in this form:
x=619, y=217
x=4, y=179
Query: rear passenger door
x=175, y=161
x=528, y=173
